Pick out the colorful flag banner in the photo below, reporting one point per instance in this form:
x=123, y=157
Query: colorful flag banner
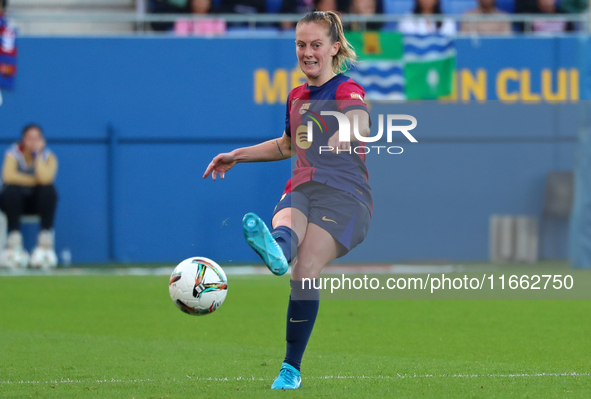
x=393, y=66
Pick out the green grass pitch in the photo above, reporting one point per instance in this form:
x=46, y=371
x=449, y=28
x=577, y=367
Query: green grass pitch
x=121, y=337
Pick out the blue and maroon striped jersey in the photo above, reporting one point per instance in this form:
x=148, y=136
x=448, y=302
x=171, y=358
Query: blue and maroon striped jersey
x=344, y=171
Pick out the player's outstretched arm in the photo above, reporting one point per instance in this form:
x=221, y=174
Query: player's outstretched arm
x=272, y=150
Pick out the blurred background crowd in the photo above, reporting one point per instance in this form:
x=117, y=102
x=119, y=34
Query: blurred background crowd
x=210, y=17
x=411, y=8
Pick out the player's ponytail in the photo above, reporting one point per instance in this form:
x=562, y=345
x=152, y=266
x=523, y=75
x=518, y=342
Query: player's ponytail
x=346, y=56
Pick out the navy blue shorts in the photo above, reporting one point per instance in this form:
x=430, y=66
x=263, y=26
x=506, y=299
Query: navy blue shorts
x=339, y=213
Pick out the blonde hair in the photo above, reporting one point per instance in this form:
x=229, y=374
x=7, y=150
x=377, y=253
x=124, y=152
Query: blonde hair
x=346, y=56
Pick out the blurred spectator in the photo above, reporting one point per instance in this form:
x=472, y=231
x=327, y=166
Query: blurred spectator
x=28, y=173
x=205, y=27
x=166, y=7
x=365, y=7
x=548, y=7
x=306, y=6
x=573, y=6
x=486, y=7
x=297, y=6
x=244, y=6
x=331, y=5
x=423, y=25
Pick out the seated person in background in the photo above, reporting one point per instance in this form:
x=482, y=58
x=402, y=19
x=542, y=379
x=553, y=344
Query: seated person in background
x=296, y=7
x=573, y=6
x=423, y=25
x=365, y=7
x=166, y=7
x=548, y=7
x=332, y=5
x=244, y=7
x=28, y=174
x=205, y=27
x=307, y=6
x=486, y=7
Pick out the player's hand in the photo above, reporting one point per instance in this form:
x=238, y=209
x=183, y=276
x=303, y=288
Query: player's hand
x=39, y=146
x=343, y=146
x=220, y=164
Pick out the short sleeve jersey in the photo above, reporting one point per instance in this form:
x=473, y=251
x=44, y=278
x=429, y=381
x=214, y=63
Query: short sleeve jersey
x=344, y=171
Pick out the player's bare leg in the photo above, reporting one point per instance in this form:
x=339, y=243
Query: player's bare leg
x=317, y=250
x=294, y=219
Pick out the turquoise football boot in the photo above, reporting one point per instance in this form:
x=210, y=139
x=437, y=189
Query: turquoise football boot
x=259, y=237
x=289, y=378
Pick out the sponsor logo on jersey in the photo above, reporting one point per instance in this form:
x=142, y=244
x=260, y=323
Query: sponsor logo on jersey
x=302, y=137
x=357, y=96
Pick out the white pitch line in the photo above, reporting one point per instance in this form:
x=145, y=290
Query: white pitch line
x=400, y=376
x=327, y=377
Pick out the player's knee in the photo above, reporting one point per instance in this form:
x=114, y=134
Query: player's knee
x=11, y=198
x=48, y=192
x=46, y=196
x=12, y=192
x=282, y=220
x=306, y=268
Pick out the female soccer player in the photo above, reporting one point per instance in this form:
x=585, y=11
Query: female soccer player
x=325, y=210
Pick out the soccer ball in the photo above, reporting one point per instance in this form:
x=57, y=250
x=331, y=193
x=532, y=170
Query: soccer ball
x=198, y=286
x=14, y=258
x=43, y=258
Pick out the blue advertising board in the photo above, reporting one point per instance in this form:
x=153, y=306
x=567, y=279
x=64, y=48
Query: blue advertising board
x=135, y=121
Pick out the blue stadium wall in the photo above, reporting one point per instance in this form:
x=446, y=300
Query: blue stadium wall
x=135, y=121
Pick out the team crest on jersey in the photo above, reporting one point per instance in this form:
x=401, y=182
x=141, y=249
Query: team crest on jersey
x=357, y=96
x=304, y=108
